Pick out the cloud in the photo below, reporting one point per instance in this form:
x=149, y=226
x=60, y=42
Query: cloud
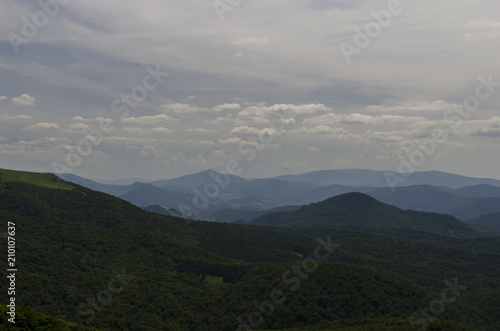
x=43, y=126
x=200, y=130
x=484, y=29
x=226, y=106
x=246, y=130
x=423, y=106
x=297, y=166
x=130, y=140
x=7, y=118
x=255, y=40
x=150, y=120
x=483, y=23
x=24, y=100
x=182, y=108
x=161, y=130
x=359, y=119
x=322, y=129
x=3, y=98
x=148, y=152
x=79, y=127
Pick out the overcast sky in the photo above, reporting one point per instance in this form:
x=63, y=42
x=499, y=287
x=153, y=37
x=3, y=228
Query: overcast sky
x=369, y=101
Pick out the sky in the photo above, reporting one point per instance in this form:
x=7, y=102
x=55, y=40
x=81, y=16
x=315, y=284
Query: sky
x=158, y=89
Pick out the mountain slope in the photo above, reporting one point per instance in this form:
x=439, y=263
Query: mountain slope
x=358, y=209
x=492, y=219
x=90, y=258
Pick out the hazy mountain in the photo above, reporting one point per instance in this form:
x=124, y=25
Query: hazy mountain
x=198, y=179
x=242, y=216
x=350, y=177
x=358, y=209
x=360, y=177
x=122, y=181
x=115, y=190
x=438, y=200
x=492, y=219
x=143, y=195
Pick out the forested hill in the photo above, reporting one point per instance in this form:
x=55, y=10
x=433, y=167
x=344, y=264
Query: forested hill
x=89, y=258
x=358, y=209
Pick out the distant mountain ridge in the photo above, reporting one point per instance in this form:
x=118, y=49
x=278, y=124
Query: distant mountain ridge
x=358, y=209
x=430, y=191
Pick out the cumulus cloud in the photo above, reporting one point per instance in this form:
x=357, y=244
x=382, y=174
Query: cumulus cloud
x=200, y=130
x=3, y=98
x=161, y=130
x=182, y=108
x=79, y=127
x=150, y=120
x=245, y=130
x=353, y=119
x=43, y=126
x=424, y=106
x=226, y=106
x=24, y=100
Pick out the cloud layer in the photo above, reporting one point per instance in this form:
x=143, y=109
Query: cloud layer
x=228, y=80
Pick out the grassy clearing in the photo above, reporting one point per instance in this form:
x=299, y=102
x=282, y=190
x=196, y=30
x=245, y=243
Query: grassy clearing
x=43, y=180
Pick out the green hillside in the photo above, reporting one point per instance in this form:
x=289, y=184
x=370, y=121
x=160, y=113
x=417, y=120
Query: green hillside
x=88, y=258
x=358, y=209
x=42, y=180
x=492, y=219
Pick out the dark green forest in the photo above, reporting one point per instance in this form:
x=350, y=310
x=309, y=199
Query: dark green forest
x=88, y=261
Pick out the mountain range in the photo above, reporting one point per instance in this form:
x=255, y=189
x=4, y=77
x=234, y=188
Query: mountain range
x=228, y=198
x=347, y=263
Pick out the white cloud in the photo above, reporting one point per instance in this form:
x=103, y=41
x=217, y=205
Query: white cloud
x=424, y=106
x=161, y=130
x=483, y=23
x=7, y=118
x=484, y=29
x=255, y=40
x=3, y=98
x=150, y=120
x=43, y=126
x=182, y=108
x=333, y=119
x=226, y=106
x=79, y=127
x=130, y=140
x=322, y=129
x=246, y=130
x=24, y=100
